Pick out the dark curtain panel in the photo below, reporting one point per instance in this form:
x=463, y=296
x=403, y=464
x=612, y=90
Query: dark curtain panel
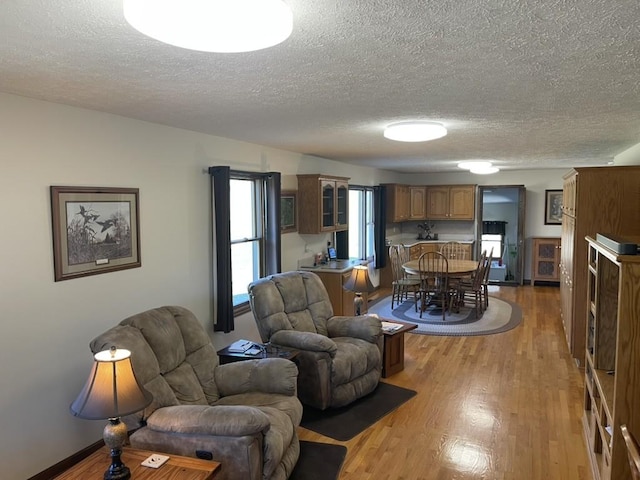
x=342, y=244
x=221, y=229
x=494, y=227
x=380, y=224
x=273, y=250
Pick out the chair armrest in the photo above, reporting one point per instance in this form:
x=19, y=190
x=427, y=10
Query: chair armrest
x=308, y=341
x=221, y=420
x=267, y=375
x=366, y=327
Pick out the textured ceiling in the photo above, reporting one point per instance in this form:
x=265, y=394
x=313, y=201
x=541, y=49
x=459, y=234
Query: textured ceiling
x=525, y=83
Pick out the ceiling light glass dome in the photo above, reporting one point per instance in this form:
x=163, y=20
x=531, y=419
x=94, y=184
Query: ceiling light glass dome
x=474, y=164
x=485, y=170
x=479, y=167
x=224, y=26
x=415, y=131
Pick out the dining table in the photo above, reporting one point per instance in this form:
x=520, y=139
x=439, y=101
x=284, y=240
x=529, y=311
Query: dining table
x=457, y=268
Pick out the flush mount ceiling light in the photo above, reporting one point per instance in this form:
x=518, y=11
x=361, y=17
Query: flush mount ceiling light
x=484, y=171
x=480, y=168
x=224, y=26
x=415, y=131
x=474, y=164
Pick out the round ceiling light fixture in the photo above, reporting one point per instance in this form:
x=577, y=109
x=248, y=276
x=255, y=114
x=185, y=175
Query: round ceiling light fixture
x=224, y=26
x=474, y=164
x=484, y=171
x=415, y=131
x=479, y=167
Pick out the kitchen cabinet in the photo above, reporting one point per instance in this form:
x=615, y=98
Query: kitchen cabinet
x=451, y=202
x=417, y=203
x=545, y=259
x=595, y=200
x=415, y=251
x=323, y=203
x=612, y=383
x=341, y=299
x=398, y=203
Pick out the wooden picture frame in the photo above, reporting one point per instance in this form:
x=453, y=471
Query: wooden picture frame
x=95, y=230
x=288, y=211
x=553, y=207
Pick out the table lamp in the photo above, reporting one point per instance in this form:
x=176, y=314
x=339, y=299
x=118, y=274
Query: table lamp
x=112, y=391
x=359, y=283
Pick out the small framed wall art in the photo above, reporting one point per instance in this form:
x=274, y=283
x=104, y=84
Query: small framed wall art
x=553, y=207
x=95, y=230
x=288, y=211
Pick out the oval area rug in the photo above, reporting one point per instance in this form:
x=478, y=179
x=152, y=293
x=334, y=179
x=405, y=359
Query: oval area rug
x=501, y=316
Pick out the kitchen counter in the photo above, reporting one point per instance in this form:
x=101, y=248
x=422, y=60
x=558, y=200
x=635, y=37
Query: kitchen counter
x=334, y=266
x=410, y=241
x=334, y=275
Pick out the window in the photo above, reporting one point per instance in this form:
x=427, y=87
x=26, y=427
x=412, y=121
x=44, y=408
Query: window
x=492, y=241
x=247, y=235
x=361, y=222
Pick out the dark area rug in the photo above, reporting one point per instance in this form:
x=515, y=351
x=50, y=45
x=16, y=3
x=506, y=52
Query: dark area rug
x=319, y=461
x=346, y=422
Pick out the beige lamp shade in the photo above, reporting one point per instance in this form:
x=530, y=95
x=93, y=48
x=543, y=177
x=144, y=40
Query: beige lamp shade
x=112, y=389
x=359, y=281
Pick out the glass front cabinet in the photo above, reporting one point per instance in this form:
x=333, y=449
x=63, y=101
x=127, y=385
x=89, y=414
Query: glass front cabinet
x=323, y=203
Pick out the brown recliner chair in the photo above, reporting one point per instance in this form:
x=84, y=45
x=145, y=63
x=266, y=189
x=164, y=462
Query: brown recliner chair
x=245, y=414
x=340, y=358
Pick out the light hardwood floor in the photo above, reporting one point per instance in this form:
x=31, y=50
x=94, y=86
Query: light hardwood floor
x=494, y=407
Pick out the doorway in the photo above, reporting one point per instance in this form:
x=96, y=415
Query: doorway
x=501, y=210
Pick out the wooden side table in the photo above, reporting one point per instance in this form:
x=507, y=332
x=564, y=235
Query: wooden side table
x=176, y=468
x=393, y=353
x=225, y=356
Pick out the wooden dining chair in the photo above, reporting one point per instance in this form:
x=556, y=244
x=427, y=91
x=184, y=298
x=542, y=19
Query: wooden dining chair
x=434, y=282
x=633, y=452
x=472, y=288
x=454, y=251
x=485, y=280
x=401, y=283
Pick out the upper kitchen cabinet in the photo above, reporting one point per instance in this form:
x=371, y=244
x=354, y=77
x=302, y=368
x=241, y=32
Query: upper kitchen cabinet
x=417, y=203
x=323, y=203
x=398, y=203
x=451, y=202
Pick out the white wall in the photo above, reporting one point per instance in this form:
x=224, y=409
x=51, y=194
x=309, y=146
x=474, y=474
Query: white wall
x=47, y=325
x=630, y=156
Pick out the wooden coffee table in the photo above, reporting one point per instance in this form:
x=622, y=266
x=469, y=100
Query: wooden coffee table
x=393, y=353
x=177, y=467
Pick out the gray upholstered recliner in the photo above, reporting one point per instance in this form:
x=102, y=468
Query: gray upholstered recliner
x=244, y=413
x=340, y=358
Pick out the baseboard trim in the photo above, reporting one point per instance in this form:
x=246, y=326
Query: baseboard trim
x=68, y=462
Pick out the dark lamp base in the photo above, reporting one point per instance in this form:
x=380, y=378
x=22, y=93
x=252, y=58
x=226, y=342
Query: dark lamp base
x=115, y=435
x=117, y=469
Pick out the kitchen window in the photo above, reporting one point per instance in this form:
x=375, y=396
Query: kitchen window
x=361, y=222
